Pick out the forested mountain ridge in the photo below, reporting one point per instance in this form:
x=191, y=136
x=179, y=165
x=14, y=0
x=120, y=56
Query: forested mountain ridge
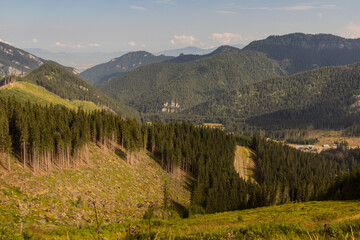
x=63, y=83
x=299, y=52
x=117, y=66
x=157, y=86
x=328, y=93
x=14, y=61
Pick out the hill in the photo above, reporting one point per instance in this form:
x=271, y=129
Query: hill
x=58, y=80
x=154, y=88
x=117, y=66
x=299, y=52
x=14, y=61
x=326, y=97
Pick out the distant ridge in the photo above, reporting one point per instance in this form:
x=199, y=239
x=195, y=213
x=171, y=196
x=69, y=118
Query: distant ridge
x=191, y=50
x=117, y=66
x=191, y=57
x=299, y=52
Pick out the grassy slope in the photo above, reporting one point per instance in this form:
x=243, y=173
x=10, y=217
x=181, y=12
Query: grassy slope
x=46, y=201
x=25, y=91
x=243, y=162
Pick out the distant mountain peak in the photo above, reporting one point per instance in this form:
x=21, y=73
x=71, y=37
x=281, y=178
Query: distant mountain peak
x=117, y=66
x=14, y=61
x=300, y=52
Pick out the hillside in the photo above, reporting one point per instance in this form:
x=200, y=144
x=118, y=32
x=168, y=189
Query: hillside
x=26, y=91
x=326, y=97
x=154, y=88
x=117, y=66
x=14, y=61
x=61, y=197
x=58, y=80
x=299, y=52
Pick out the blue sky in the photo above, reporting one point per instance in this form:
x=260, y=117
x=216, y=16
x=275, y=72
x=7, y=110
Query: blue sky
x=155, y=25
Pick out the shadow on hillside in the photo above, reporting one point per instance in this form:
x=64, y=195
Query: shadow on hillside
x=189, y=183
x=254, y=170
x=120, y=153
x=180, y=209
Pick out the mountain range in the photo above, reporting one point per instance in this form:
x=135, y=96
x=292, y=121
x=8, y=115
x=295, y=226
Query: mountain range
x=299, y=52
x=155, y=87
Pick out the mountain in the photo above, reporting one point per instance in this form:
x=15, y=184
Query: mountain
x=79, y=60
x=63, y=83
x=192, y=57
x=186, y=50
x=300, y=52
x=154, y=88
x=103, y=72
x=14, y=61
x=326, y=98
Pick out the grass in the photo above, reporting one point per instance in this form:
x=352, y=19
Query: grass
x=25, y=91
x=58, y=205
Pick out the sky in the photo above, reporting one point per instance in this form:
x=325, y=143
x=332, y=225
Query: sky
x=156, y=25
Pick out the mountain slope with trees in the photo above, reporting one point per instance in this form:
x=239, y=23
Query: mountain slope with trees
x=117, y=66
x=328, y=96
x=58, y=80
x=299, y=52
x=149, y=88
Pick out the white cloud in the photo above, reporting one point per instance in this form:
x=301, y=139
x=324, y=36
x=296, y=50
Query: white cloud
x=95, y=45
x=301, y=7
x=163, y=1
x=183, y=39
x=138, y=8
x=320, y=15
x=34, y=40
x=226, y=38
x=69, y=45
x=352, y=30
x=132, y=44
x=228, y=13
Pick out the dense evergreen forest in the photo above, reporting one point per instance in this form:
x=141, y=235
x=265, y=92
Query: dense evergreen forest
x=325, y=98
x=42, y=137
x=148, y=88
